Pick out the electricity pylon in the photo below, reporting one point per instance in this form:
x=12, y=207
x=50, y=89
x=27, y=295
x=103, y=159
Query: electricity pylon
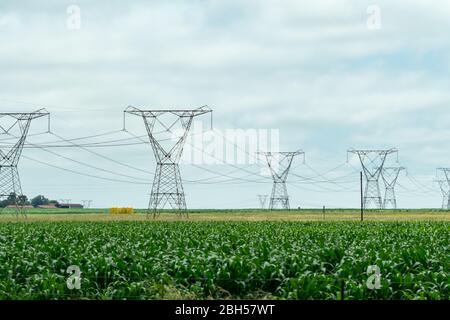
x=372, y=162
x=167, y=189
x=65, y=201
x=446, y=172
x=14, y=126
x=445, y=189
x=279, y=165
x=263, y=200
x=390, y=177
x=87, y=203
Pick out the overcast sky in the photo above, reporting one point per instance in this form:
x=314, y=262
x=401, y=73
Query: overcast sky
x=329, y=75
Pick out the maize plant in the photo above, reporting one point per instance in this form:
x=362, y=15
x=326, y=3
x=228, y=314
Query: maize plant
x=222, y=260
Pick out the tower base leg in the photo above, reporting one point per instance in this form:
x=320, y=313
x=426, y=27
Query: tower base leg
x=372, y=197
x=11, y=190
x=390, y=201
x=279, y=197
x=167, y=190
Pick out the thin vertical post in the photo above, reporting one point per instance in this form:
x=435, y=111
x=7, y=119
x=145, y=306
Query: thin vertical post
x=362, y=197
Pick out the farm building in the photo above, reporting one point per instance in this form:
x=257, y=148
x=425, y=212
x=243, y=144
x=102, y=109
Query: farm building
x=47, y=206
x=70, y=206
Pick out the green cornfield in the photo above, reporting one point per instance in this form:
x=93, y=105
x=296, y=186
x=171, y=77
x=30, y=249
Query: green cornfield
x=225, y=260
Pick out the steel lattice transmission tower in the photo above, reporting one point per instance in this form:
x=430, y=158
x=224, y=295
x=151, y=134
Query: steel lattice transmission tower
x=446, y=172
x=14, y=126
x=167, y=189
x=279, y=165
x=87, y=203
x=390, y=177
x=263, y=200
x=372, y=162
x=445, y=189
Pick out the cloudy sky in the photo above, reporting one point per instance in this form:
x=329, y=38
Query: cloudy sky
x=329, y=75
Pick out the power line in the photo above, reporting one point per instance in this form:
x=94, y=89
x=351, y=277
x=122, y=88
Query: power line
x=91, y=166
x=106, y=158
x=84, y=174
x=220, y=174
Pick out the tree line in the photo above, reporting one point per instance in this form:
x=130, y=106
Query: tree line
x=23, y=200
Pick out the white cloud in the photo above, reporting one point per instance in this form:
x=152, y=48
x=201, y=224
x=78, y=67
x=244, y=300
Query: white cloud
x=308, y=67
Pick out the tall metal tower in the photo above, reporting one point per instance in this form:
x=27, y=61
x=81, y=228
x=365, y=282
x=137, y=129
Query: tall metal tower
x=372, y=162
x=445, y=189
x=279, y=164
x=65, y=201
x=262, y=200
x=446, y=173
x=14, y=126
x=87, y=203
x=390, y=177
x=167, y=190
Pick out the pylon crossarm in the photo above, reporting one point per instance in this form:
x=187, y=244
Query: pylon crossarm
x=295, y=153
x=177, y=112
x=26, y=115
x=369, y=151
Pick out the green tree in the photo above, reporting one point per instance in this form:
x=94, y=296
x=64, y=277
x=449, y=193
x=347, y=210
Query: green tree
x=39, y=201
x=23, y=200
x=13, y=199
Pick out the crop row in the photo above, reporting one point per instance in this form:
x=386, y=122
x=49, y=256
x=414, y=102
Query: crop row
x=198, y=260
